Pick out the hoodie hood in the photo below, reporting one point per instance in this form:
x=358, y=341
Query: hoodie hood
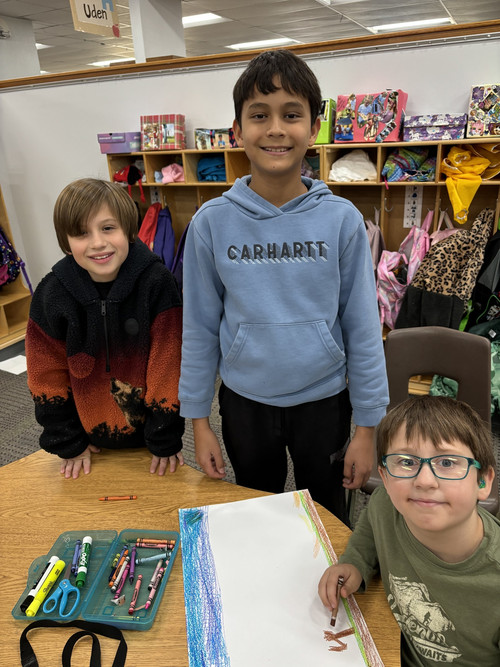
x=254, y=206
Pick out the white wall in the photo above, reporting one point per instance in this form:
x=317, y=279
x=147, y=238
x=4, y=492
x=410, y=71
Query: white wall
x=48, y=135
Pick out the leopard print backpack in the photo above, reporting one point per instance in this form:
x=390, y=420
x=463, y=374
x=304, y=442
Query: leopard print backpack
x=444, y=281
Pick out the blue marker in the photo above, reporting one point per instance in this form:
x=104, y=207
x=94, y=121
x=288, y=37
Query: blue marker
x=76, y=555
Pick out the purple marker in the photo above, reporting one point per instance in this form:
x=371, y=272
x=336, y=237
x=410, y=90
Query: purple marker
x=76, y=555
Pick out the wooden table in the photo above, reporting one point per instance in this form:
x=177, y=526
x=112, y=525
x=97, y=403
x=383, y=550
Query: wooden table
x=37, y=504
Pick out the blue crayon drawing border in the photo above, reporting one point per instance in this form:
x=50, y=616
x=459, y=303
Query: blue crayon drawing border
x=202, y=597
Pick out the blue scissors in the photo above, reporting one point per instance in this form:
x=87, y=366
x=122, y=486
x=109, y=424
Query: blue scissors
x=64, y=589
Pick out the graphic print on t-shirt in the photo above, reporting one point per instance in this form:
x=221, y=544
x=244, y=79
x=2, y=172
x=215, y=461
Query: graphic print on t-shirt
x=423, y=622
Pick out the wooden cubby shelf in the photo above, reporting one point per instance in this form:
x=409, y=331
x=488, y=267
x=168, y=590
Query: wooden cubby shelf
x=184, y=198
x=15, y=298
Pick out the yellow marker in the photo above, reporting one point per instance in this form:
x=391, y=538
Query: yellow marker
x=44, y=591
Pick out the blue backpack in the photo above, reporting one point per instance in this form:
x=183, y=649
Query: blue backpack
x=178, y=263
x=164, y=239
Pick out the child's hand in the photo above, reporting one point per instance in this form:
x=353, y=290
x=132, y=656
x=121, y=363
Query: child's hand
x=71, y=467
x=161, y=463
x=327, y=587
x=207, y=448
x=359, y=458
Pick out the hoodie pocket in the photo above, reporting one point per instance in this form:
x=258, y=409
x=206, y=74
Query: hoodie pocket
x=278, y=359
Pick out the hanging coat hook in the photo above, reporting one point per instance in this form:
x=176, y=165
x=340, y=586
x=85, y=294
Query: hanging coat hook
x=388, y=210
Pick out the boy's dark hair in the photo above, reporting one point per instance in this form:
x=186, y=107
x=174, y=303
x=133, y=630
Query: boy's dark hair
x=85, y=197
x=294, y=74
x=438, y=419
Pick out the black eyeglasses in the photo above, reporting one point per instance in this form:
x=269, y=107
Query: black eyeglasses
x=443, y=467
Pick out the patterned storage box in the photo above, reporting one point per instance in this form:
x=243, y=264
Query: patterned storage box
x=163, y=132
x=484, y=111
x=219, y=138
x=327, y=116
x=374, y=117
x=119, y=142
x=434, y=126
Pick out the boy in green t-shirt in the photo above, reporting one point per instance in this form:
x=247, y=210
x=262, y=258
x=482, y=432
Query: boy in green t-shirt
x=437, y=551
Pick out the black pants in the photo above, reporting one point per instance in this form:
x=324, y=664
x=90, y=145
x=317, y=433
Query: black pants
x=256, y=437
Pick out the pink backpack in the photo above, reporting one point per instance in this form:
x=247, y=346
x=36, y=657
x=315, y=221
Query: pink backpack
x=416, y=244
x=441, y=234
x=395, y=270
x=390, y=291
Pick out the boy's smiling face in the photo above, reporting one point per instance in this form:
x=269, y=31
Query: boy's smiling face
x=433, y=506
x=102, y=248
x=276, y=131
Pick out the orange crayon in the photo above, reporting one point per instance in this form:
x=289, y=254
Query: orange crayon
x=118, y=498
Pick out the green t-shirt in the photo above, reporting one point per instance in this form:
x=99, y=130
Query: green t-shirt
x=447, y=612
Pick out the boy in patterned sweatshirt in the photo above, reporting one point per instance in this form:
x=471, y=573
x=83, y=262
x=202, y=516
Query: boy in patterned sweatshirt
x=103, y=342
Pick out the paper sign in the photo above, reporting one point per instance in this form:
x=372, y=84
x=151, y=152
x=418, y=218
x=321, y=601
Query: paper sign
x=251, y=571
x=99, y=17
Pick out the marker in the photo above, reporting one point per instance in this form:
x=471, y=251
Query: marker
x=135, y=595
x=45, y=589
x=38, y=583
x=340, y=583
x=83, y=563
x=118, y=498
x=76, y=555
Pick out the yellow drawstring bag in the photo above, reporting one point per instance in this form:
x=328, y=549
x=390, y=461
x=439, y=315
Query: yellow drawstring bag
x=463, y=172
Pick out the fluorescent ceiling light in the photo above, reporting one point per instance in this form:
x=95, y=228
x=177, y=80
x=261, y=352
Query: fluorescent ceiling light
x=42, y=46
x=105, y=63
x=201, y=19
x=263, y=43
x=388, y=27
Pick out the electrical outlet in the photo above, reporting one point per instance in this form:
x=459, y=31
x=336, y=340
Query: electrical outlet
x=154, y=194
x=413, y=206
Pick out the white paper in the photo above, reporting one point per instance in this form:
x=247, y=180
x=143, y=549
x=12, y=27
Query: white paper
x=268, y=555
x=15, y=365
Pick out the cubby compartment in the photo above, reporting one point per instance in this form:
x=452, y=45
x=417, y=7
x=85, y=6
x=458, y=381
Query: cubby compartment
x=15, y=298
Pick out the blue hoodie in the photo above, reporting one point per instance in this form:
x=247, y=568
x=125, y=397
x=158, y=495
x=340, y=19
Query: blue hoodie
x=282, y=303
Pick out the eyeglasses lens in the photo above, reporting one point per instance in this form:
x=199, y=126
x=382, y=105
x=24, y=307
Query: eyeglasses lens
x=445, y=467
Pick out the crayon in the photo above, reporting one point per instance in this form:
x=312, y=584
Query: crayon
x=340, y=583
x=105, y=498
x=135, y=595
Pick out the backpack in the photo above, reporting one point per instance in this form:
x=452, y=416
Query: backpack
x=10, y=263
x=446, y=277
x=178, y=263
x=395, y=271
x=164, y=241
x=485, y=299
x=157, y=233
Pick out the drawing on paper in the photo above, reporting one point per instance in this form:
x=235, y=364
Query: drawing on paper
x=251, y=570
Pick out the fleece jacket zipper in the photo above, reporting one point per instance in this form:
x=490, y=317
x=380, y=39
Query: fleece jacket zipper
x=105, y=320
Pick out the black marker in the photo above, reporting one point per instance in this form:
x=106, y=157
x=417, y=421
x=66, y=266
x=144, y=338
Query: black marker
x=38, y=583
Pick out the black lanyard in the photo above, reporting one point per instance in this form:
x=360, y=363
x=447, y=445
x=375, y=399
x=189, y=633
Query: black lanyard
x=28, y=657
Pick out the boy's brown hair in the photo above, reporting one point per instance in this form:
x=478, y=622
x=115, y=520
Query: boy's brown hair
x=85, y=197
x=438, y=419
x=294, y=74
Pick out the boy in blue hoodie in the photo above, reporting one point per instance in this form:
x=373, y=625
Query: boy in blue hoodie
x=279, y=299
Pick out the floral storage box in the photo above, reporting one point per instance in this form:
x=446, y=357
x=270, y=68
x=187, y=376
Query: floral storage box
x=373, y=117
x=434, y=126
x=163, y=132
x=484, y=111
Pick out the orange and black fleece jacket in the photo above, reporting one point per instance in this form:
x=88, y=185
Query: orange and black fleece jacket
x=105, y=371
